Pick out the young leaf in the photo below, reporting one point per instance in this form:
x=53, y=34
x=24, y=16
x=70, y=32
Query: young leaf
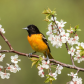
x=33, y=63
x=78, y=29
x=77, y=26
x=47, y=80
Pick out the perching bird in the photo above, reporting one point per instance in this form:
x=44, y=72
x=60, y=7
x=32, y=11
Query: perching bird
x=38, y=41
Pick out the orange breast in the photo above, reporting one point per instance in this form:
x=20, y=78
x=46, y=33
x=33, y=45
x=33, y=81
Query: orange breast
x=37, y=43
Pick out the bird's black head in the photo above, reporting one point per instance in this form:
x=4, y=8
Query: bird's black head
x=32, y=29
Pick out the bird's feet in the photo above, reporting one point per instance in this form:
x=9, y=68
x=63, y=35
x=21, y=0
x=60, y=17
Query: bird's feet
x=30, y=54
x=47, y=58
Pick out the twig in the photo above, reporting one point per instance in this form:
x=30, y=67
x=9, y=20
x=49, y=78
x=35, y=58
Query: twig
x=70, y=54
x=6, y=41
x=77, y=71
x=56, y=23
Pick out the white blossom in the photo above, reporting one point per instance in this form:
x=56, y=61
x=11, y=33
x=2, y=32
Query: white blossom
x=51, y=38
x=72, y=74
x=70, y=41
x=77, y=56
x=75, y=39
x=39, y=67
x=57, y=41
x=61, y=24
x=70, y=31
x=14, y=59
x=58, y=69
x=49, y=29
x=49, y=32
x=53, y=18
x=2, y=56
x=1, y=67
x=41, y=73
x=71, y=51
x=78, y=80
x=5, y=75
x=64, y=37
x=0, y=47
x=13, y=68
x=53, y=75
x=75, y=79
x=2, y=29
x=45, y=64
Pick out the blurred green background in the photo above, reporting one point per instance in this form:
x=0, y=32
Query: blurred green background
x=17, y=14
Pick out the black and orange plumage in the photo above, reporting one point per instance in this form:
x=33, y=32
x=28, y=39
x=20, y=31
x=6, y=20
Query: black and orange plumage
x=38, y=41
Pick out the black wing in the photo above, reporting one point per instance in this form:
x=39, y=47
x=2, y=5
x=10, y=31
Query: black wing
x=45, y=40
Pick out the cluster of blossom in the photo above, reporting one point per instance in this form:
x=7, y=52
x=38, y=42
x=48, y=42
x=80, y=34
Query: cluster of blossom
x=57, y=36
x=58, y=71
x=76, y=52
x=4, y=74
x=2, y=29
x=12, y=67
x=1, y=55
x=78, y=57
x=75, y=79
x=45, y=65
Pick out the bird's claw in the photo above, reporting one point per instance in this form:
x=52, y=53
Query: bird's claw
x=47, y=58
x=30, y=55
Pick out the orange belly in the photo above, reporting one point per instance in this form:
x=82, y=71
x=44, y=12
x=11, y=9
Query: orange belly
x=37, y=43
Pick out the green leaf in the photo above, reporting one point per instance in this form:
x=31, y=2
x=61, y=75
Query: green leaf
x=34, y=59
x=40, y=58
x=48, y=11
x=33, y=63
x=78, y=29
x=77, y=26
x=47, y=80
x=53, y=12
x=81, y=48
x=82, y=53
x=73, y=29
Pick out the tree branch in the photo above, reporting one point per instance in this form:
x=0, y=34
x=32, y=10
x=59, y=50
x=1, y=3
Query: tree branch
x=70, y=54
x=52, y=60
x=27, y=55
x=6, y=41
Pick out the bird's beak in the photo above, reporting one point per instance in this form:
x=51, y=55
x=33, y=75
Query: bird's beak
x=25, y=28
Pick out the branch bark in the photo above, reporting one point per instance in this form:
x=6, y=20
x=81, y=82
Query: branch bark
x=6, y=41
x=70, y=54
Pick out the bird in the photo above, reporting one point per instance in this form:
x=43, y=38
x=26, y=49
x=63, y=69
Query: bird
x=38, y=41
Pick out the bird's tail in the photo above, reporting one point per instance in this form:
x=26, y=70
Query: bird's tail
x=49, y=55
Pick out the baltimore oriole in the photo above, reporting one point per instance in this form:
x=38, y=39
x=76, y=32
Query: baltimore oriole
x=38, y=41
